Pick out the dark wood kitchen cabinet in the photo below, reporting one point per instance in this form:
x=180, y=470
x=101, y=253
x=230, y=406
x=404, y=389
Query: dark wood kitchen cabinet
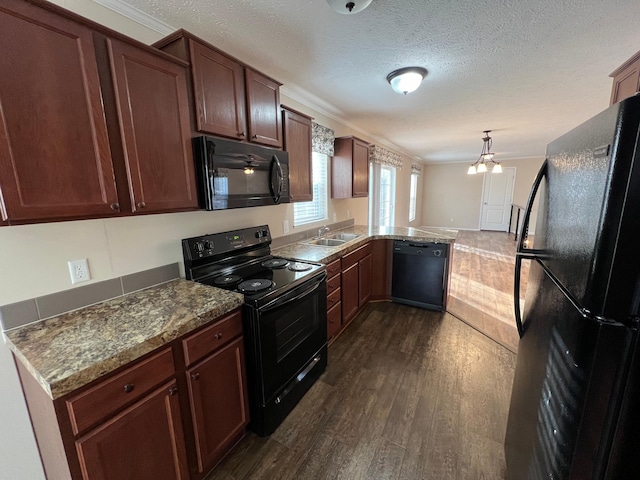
x=350, y=168
x=172, y=414
x=626, y=79
x=94, y=123
x=146, y=439
x=230, y=98
x=297, y=142
x=127, y=425
x=217, y=389
x=356, y=281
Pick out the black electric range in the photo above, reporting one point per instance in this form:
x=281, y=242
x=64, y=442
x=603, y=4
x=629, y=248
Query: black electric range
x=284, y=315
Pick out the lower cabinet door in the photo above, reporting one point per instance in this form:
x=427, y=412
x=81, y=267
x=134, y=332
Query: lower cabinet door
x=365, y=280
x=145, y=441
x=219, y=403
x=350, y=293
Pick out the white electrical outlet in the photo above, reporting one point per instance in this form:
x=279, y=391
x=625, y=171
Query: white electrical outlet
x=79, y=270
x=285, y=226
x=348, y=214
x=335, y=217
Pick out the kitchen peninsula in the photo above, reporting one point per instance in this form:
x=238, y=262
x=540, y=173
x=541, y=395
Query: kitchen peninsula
x=78, y=369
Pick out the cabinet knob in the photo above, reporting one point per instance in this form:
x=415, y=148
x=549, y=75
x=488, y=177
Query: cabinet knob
x=141, y=204
x=128, y=388
x=218, y=336
x=115, y=206
x=173, y=391
x=241, y=134
x=195, y=376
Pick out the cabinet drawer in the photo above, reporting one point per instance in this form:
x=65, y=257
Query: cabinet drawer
x=212, y=337
x=334, y=320
x=333, y=268
x=333, y=283
x=95, y=404
x=355, y=256
x=333, y=299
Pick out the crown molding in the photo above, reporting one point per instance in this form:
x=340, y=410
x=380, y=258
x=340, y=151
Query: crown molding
x=137, y=15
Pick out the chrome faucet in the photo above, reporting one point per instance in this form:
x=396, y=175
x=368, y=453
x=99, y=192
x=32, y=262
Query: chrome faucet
x=322, y=230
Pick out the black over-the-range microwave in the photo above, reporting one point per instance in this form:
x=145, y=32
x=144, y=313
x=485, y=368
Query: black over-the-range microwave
x=232, y=174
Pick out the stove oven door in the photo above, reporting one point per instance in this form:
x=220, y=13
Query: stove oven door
x=286, y=342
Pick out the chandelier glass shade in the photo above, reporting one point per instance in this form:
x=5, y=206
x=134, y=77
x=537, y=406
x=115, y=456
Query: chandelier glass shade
x=485, y=159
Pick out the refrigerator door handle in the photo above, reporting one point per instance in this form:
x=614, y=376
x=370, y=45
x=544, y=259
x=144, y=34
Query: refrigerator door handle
x=520, y=248
x=521, y=251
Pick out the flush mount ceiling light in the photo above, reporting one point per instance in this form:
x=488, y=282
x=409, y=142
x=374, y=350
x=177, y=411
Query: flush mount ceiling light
x=485, y=158
x=405, y=80
x=347, y=7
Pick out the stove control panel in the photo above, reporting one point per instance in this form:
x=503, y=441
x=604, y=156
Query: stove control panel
x=216, y=244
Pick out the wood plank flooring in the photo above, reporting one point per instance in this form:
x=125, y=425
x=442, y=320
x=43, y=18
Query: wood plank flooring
x=481, y=289
x=408, y=394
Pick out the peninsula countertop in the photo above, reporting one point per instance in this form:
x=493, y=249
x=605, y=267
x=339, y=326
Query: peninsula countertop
x=68, y=351
x=316, y=253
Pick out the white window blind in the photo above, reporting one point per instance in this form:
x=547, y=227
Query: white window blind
x=316, y=209
x=413, y=197
x=382, y=194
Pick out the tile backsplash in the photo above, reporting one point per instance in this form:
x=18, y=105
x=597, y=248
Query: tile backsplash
x=22, y=313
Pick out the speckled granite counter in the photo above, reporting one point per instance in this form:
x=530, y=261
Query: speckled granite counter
x=69, y=351
x=322, y=254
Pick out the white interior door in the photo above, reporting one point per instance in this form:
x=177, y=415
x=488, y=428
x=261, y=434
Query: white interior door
x=497, y=195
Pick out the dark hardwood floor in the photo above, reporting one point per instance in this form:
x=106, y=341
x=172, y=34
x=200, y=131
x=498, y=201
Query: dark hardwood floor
x=408, y=394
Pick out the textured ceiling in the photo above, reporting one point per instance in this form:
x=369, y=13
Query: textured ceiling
x=527, y=69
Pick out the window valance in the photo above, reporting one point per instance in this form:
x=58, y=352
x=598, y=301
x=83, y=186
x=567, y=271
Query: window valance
x=384, y=157
x=322, y=139
x=416, y=169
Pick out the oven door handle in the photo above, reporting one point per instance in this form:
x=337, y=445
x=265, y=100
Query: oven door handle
x=286, y=299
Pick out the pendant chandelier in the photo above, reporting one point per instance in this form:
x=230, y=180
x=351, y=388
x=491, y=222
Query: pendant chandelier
x=485, y=158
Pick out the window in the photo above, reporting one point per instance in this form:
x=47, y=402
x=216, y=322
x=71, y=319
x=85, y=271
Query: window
x=382, y=196
x=413, y=197
x=316, y=209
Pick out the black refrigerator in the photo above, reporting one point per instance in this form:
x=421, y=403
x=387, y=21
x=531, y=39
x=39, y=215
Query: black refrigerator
x=575, y=403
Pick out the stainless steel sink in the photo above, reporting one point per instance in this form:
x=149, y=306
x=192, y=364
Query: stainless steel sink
x=345, y=236
x=326, y=242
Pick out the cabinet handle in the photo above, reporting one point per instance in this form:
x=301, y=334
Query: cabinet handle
x=141, y=204
x=218, y=336
x=128, y=388
x=254, y=137
x=241, y=134
x=115, y=206
x=173, y=391
x=195, y=376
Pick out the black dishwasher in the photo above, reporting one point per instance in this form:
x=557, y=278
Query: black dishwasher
x=420, y=274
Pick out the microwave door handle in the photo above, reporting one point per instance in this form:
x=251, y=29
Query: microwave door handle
x=275, y=193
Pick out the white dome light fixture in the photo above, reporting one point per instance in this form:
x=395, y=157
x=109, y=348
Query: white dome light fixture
x=348, y=6
x=406, y=80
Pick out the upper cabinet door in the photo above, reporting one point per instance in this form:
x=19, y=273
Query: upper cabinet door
x=263, y=102
x=219, y=90
x=360, y=168
x=297, y=142
x=152, y=102
x=55, y=161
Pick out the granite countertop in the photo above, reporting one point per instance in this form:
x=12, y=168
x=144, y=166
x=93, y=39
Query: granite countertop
x=318, y=253
x=68, y=351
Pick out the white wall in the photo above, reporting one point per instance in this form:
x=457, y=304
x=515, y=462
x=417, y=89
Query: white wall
x=452, y=199
x=33, y=258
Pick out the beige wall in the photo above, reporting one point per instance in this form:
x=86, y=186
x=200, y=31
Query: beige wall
x=451, y=198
